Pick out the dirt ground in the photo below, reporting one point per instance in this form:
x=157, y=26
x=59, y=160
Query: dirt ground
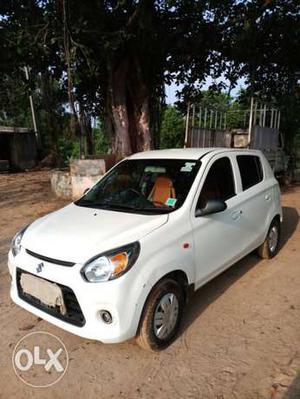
x=240, y=337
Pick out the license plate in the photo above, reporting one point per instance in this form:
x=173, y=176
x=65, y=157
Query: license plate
x=50, y=294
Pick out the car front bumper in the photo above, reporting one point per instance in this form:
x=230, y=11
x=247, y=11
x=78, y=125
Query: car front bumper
x=116, y=297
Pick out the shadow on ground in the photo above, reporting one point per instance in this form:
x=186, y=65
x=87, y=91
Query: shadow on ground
x=289, y=225
x=293, y=391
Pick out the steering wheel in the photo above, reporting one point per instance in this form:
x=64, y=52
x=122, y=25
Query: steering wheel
x=156, y=203
x=134, y=191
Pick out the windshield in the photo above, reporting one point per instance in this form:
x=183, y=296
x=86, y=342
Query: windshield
x=143, y=186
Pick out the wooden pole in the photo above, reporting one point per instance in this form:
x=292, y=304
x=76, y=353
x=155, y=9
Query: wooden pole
x=32, y=110
x=187, y=125
x=250, y=121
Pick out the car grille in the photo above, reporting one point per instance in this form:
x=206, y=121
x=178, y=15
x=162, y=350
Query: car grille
x=50, y=260
x=74, y=313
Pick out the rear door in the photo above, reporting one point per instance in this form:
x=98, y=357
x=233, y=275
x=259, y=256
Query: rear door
x=217, y=237
x=256, y=196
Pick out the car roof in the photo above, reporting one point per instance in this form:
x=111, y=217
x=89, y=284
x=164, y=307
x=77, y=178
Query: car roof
x=185, y=153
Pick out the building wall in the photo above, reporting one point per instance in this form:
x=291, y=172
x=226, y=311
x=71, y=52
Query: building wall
x=20, y=149
x=23, y=148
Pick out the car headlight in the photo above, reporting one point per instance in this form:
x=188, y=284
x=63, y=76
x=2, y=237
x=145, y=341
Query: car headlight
x=111, y=264
x=16, y=242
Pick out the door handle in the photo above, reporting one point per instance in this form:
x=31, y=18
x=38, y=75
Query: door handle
x=236, y=214
x=267, y=197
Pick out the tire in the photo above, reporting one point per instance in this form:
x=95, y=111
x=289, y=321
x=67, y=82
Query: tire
x=270, y=246
x=169, y=294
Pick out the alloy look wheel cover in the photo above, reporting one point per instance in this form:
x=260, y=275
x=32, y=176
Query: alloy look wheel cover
x=273, y=239
x=166, y=316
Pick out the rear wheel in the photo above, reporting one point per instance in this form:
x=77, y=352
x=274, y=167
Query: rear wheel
x=161, y=316
x=270, y=246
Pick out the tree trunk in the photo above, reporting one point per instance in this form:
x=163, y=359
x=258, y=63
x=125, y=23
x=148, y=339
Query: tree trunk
x=86, y=127
x=128, y=109
x=143, y=140
x=89, y=138
x=121, y=144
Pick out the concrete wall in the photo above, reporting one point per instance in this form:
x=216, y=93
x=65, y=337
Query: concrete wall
x=61, y=184
x=84, y=173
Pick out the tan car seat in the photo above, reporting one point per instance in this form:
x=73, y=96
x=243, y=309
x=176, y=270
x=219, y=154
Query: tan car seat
x=162, y=190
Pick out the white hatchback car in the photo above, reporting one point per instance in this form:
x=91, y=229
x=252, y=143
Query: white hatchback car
x=119, y=262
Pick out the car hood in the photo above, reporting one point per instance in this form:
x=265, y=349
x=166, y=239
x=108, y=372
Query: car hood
x=76, y=233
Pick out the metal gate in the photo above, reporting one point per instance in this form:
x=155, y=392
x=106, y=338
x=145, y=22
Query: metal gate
x=258, y=127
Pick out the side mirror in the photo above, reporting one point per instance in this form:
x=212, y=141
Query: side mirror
x=212, y=206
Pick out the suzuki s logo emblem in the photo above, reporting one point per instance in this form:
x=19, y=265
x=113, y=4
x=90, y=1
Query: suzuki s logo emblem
x=39, y=267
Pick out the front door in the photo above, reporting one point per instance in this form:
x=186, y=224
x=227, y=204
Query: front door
x=216, y=236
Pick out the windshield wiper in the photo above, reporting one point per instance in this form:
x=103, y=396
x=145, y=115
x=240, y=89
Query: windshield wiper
x=154, y=210
x=138, y=208
x=93, y=204
x=106, y=205
x=122, y=207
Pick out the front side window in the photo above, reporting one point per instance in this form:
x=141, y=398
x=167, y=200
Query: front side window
x=250, y=170
x=144, y=186
x=219, y=183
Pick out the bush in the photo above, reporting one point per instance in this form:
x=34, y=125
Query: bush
x=172, y=128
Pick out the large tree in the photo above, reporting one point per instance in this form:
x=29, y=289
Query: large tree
x=124, y=52
x=114, y=57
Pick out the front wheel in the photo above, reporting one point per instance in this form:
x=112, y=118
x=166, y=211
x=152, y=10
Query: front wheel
x=270, y=246
x=161, y=316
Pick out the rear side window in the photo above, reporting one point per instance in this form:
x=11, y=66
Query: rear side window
x=250, y=170
x=219, y=182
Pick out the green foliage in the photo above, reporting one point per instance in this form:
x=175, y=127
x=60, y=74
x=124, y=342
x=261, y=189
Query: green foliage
x=14, y=101
x=214, y=103
x=236, y=115
x=215, y=100
x=172, y=128
x=68, y=148
x=100, y=140
x=154, y=42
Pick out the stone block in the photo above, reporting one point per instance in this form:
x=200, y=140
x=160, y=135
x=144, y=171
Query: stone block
x=81, y=183
x=240, y=140
x=61, y=184
x=84, y=173
x=87, y=167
